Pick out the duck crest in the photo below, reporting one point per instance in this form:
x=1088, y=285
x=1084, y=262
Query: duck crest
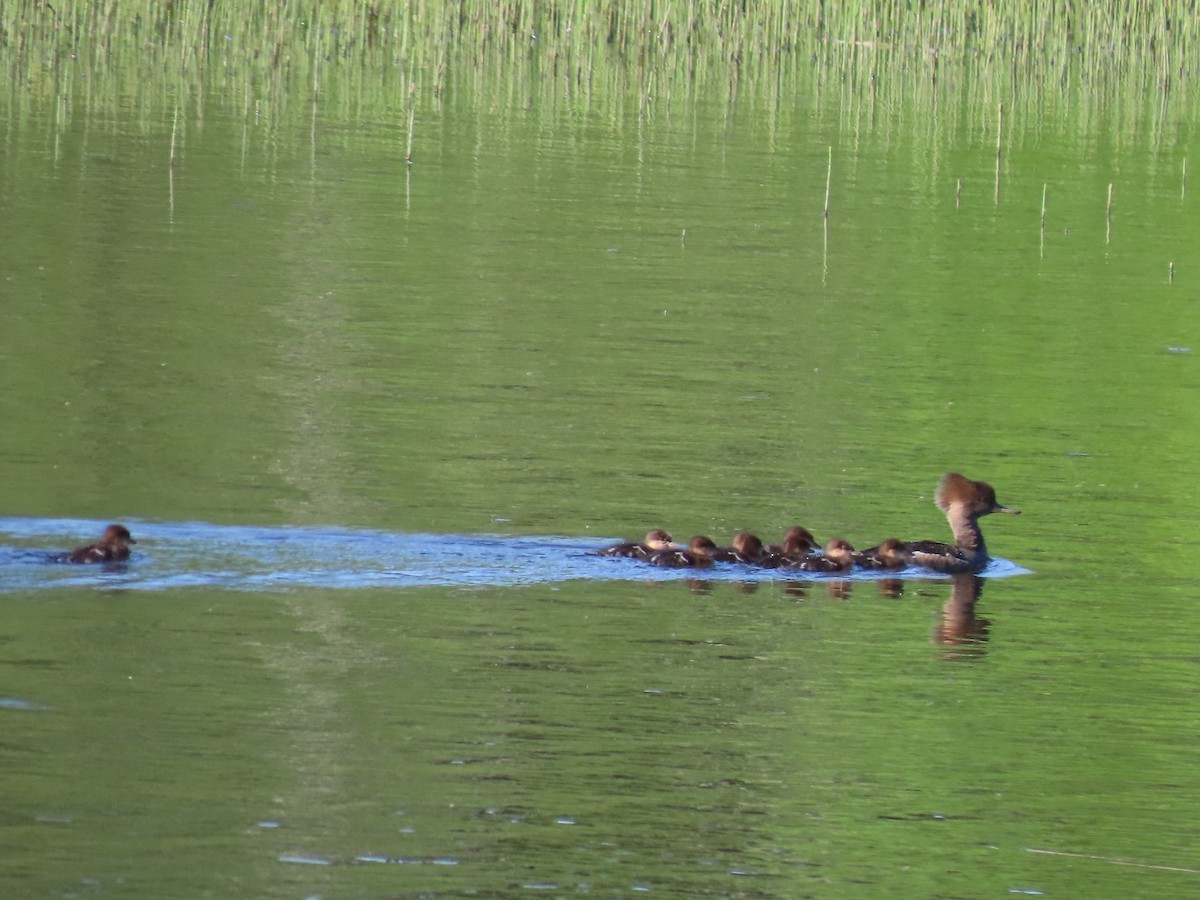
x=978, y=496
x=963, y=501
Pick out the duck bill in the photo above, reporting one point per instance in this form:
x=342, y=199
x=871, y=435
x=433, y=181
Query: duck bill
x=1006, y=509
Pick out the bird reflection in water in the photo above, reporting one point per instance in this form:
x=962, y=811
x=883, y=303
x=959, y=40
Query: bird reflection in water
x=891, y=588
x=960, y=633
x=839, y=590
x=746, y=588
x=797, y=590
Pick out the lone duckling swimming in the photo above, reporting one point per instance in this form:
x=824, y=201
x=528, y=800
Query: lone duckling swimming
x=113, y=546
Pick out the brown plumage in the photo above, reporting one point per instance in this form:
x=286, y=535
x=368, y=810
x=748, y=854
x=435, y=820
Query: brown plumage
x=747, y=548
x=654, y=542
x=798, y=542
x=113, y=546
x=963, y=501
x=838, y=557
x=891, y=555
x=699, y=554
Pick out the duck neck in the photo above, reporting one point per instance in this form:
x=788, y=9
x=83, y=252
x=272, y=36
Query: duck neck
x=967, y=536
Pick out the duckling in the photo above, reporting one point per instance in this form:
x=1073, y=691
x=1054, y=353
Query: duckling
x=747, y=548
x=113, y=546
x=699, y=554
x=891, y=555
x=798, y=542
x=838, y=557
x=654, y=542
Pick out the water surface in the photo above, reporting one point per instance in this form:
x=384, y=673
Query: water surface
x=195, y=554
x=308, y=375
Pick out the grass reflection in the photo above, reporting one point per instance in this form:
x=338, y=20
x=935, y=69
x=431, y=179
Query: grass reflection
x=956, y=63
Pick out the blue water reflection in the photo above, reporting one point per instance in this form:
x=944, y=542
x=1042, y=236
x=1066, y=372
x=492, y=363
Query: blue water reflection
x=184, y=554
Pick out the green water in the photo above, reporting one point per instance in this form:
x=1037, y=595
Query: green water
x=565, y=323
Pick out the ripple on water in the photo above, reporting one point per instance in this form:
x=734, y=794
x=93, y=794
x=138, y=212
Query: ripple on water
x=197, y=554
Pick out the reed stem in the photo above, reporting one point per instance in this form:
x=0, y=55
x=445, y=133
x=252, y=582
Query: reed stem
x=412, y=115
x=828, y=181
x=999, y=146
x=1108, y=215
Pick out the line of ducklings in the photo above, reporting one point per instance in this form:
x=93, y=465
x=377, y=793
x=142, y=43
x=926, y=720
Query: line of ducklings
x=799, y=552
x=962, y=500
